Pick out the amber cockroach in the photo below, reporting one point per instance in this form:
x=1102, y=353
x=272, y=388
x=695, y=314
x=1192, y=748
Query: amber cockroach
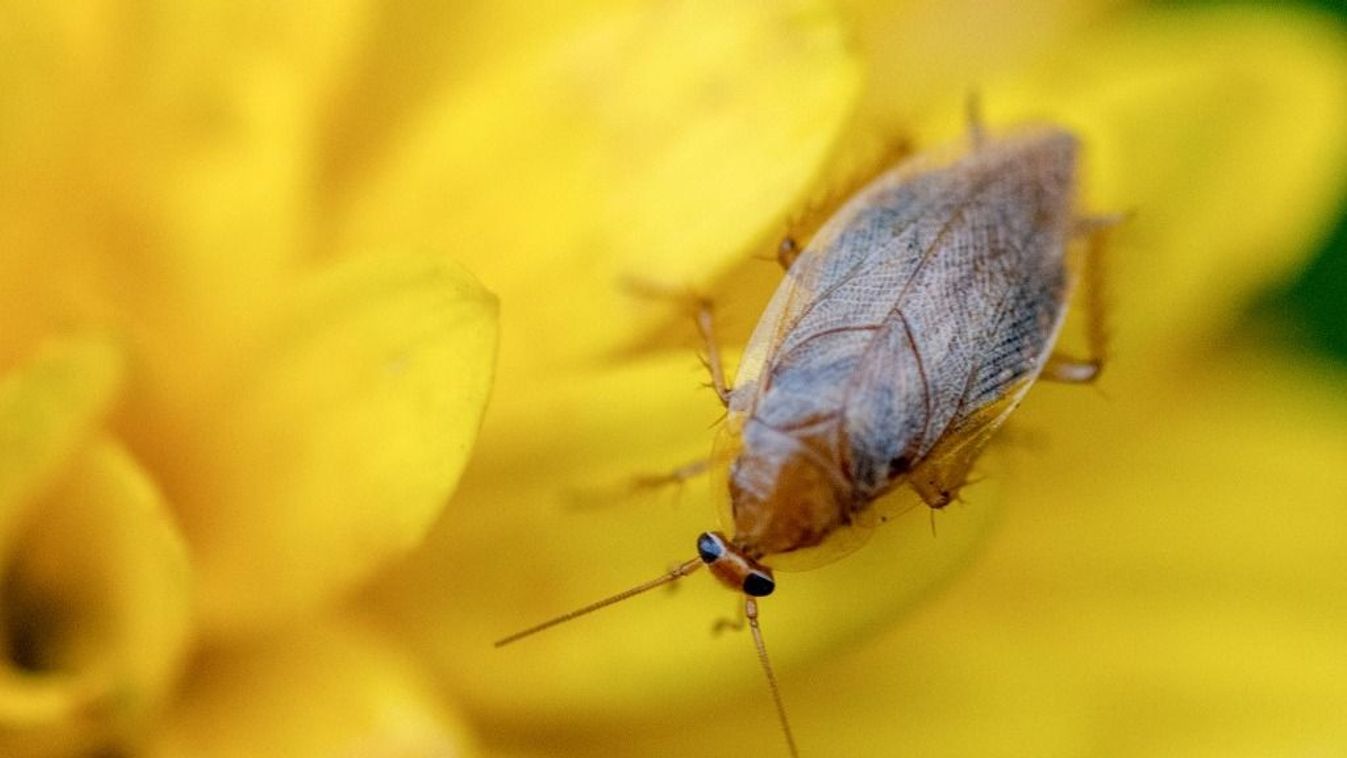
x=906, y=330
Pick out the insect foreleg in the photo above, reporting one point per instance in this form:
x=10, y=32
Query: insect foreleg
x=706, y=325
x=702, y=310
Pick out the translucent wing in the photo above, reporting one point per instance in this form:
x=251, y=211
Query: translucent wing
x=932, y=295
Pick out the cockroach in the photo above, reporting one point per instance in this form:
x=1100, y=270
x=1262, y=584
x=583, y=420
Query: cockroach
x=904, y=333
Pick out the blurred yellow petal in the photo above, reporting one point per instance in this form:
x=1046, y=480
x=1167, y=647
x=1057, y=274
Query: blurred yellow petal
x=49, y=407
x=411, y=52
x=654, y=141
x=518, y=547
x=95, y=610
x=919, y=52
x=314, y=692
x=1221, y=129
x=238, y=95
x=347, y=433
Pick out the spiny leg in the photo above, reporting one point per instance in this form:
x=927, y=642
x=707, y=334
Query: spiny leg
x=706, y=324
x=1061, y=367
x=939, y=477
x=801, y=227
x=702, y=310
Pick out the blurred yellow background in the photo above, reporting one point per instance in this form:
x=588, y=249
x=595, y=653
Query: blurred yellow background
x=317, y=376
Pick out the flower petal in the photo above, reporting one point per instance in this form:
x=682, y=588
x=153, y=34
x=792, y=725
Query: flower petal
x=321, y=691
x=517, y=549
x=650, y=141
x=97, y=603
x=49, y=407
x=921, y=52
x=346, y=434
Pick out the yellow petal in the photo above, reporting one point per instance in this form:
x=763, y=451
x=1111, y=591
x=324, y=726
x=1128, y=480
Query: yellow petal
x=656, y=141
x=49, y=407
x=918, y=51
x=96, y=610
x=347, y=432
x=321, y=691
x=410, y=52
x=1219, y=128
x=237, y=96
x=519, y=547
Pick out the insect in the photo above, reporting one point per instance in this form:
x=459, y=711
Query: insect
x=904, y=333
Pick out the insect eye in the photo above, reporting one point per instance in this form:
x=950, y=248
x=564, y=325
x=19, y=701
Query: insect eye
x=900, y=465
x=758, y=584
x=709, y=547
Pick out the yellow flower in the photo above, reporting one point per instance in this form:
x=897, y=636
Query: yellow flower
x=1221, y=129
x=241, y=369
x=215, y=423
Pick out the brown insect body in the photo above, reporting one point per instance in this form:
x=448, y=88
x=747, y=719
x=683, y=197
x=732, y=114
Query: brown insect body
x=900, y=339
x=903, y=335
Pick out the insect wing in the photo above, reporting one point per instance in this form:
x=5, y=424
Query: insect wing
x=933, y=294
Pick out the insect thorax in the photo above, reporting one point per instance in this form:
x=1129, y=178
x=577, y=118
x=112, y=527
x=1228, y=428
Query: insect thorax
x=786, y=491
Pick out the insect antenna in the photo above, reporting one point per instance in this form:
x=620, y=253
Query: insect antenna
x=673, y=575
x=751, y=612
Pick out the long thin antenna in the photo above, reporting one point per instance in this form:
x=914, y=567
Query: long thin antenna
x=751, y=611
x=675, y=574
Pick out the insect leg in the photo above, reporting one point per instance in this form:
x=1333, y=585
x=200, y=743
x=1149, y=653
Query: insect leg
x=1064, y=368
x=855, y=173
x=945, y=470
x=706, y=325
x=702, y=310
x=935, y=493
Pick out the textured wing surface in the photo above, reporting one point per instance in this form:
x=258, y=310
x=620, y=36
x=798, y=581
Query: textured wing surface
x=929, y=296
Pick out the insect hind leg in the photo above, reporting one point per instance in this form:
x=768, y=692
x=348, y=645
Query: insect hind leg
x=856, y=171
x=1068, y=369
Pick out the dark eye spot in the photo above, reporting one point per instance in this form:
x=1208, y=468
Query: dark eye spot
x=758, y=585
x=900, y=465
x=709, y=548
